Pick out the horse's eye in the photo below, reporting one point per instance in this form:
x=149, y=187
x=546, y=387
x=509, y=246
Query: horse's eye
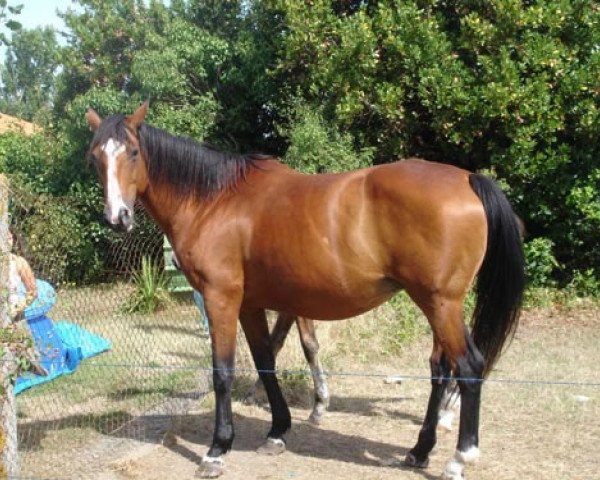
x=134, y=152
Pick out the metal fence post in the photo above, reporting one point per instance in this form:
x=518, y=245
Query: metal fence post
x=8, y=408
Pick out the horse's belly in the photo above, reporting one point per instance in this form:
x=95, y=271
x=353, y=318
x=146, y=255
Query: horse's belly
x=328, y=302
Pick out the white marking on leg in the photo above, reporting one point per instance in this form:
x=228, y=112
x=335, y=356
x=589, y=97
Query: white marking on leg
x=469, y=456
x=445, y=420
x=207, y=459
x=114, y=197
x=450, y=405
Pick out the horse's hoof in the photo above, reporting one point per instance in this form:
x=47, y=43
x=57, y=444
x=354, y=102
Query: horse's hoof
x=273, y=446
x=453, y=471
x=411, y=461
x=210, y=468
x=315, y=418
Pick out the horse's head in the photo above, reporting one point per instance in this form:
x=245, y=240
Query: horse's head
x=115, y=152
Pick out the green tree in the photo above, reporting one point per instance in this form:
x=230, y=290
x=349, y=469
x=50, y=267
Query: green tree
x=6, y=13
x=29, y=73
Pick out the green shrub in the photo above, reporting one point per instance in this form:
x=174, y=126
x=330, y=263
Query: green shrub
x=27, y=157
x=511, y=86
x=317, y=147
x=58, y=246
x=150, y=289
x=585, y=283
x=540, y=263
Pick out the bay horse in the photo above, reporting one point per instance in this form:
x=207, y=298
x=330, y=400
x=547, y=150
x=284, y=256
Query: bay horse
x=252, y=234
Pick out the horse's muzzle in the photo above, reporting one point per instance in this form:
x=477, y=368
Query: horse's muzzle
x=125, y=219
x=124, y=224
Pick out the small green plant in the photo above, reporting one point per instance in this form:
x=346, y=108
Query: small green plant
x=407, y=325
x=584, y=283
x=540, y=262
x=16, y=344
x=150, y=289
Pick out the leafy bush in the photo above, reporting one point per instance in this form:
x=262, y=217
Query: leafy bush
x=540, y=262
x=27, y=157
x=505, y=85
x=585, y=283
x=317, y=147
x=58, y=247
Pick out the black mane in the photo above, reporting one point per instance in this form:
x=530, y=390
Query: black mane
x=190, y=167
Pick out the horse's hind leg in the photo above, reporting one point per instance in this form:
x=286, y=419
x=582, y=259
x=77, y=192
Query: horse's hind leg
x=440, y=373
x=450, y=404
x=457, y=352
x=310, y=345
x=256, y=329
x=469, y=374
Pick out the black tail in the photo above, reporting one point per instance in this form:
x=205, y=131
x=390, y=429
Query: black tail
x=501, y=280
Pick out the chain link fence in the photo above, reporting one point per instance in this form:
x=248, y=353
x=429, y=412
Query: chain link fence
x=118, y=377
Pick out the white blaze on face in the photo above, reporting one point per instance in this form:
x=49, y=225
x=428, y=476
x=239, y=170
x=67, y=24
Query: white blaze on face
x=114, y=198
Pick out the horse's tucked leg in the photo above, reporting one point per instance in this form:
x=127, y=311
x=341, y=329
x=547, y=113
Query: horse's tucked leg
x=469, y=373
x=310, y=346
x=440, y=372
x=257, y=333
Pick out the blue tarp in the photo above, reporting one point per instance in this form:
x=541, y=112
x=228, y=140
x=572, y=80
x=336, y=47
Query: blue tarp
x=61, y=345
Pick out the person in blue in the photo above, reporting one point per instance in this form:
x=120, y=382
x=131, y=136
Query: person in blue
x=199, y=299
x=22, y=288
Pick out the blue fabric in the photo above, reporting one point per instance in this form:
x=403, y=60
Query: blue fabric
x=62, y=346
x=44, y=301
x=86, y=342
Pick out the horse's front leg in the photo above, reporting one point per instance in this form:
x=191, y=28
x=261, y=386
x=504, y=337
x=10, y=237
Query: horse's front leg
x=256, y=329
x=222, y=309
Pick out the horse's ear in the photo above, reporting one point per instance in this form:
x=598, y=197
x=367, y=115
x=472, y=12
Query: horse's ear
x=93, y=119
x=136, y=118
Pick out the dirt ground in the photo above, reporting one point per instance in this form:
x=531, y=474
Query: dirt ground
x=530, y=429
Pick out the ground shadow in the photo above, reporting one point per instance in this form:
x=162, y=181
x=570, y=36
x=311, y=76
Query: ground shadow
x=372, y=406
x=32, y=433
x=305, y=439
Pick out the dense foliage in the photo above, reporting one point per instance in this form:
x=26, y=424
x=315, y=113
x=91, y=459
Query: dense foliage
x=511, y=88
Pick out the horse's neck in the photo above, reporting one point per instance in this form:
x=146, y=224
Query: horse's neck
x=162, y=207
x=172, y=214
